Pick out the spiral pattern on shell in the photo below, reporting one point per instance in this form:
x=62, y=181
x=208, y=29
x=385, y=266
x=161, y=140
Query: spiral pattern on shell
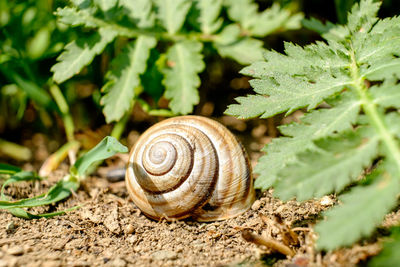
x=189, y=166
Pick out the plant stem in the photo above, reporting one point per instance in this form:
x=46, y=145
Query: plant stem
x=159, y=35
x=64, y=109
x=371, y=110
x=119, y=127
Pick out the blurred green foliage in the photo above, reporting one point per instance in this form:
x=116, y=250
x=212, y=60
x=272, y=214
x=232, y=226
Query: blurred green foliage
x=32, y=37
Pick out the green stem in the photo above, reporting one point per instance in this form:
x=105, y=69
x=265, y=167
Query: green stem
x=119, y=127
x=159, y=35
x=371, y=110
x=64, y=109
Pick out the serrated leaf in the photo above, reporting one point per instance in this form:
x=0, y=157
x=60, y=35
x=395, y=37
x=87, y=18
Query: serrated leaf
x=318, y=173
x=315, y=125
x=244, y=50
x=172, y=13
x=80, y=53
x=317, y=26
x=261, y=23
x=286, y=94
x=140, y=11
x=74, y=17
x=363, y=16
x=124, y=78
x=184, y=62
x=387, y=95
x=360, y=60
x=209, y=12
x=366, y=206
x=392, y=119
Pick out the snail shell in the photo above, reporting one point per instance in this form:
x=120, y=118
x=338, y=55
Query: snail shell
x=189, y=166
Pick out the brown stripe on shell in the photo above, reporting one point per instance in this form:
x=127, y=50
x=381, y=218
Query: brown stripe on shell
x=202, y=147
x=161, y=173
x=206, y=196
x=183, y=177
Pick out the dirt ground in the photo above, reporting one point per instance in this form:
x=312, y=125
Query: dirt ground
x=108, y=230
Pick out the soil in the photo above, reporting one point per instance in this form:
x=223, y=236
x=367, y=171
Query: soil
x=108, y=230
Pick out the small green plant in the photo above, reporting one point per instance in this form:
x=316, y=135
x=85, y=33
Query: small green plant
x=163, y=45
x=349, y=145
x=62, y=189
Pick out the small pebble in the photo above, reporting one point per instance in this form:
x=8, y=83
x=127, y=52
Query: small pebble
x=51, y=263
x=118, y=262
x=256, y=205
x=16, y=250
x=164, y=255
x=132, y=239
x=10, y=227
x=129, y=229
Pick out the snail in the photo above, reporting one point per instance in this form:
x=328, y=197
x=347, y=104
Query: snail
x=189, y=166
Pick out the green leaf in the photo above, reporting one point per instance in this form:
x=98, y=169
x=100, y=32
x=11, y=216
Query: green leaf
x=139, y=11
x=389, y=256
x=335, y=143
x=63, y=189
x=262, y=23
x=80, y=53
x=387, y=95
x=74, y=17
x=244, y=50
x=19, y=177
x=286, y=94
x=124, y=78
x=365, y=205
x=184, y=62
x=56, y=193
x=363, y=16
x=318, y=173
x=105, y=149
x=209, y=12
x=152, y=78
x=172, y=13
x=39, y=95
x=315, y=125
x=8, y=169
x=317, y=26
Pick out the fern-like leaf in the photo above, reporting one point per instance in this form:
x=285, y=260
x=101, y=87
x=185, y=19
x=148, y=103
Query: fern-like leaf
x=172, y=13
x=318, y=173
x=364, y=206
x=261, y=23
x=74, y=17
x=124, y=78
x=139, y=11
x=282, y=151
x=184, y=62
x=80, y=53
x=209, y=12
x=354, y=74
